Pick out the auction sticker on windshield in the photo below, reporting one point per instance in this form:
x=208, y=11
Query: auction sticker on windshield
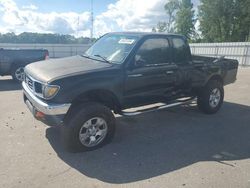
x=126, y=41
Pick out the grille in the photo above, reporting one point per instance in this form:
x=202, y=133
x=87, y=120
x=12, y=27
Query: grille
x=33, y=85
x=29, y=82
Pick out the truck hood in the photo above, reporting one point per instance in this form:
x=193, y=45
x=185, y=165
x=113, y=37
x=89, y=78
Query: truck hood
x=53, y=69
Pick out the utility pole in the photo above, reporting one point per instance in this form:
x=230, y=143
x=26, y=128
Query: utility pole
x=92, y=21
x=78, y=23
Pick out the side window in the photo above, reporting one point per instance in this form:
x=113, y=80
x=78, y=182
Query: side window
x=181, y=51
x=154, y=51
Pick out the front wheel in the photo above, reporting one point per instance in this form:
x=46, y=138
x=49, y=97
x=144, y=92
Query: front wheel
x=211, y=97
x=17, y=73
x=88, y=127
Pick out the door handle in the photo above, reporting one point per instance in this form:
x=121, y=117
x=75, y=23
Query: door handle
x=169, y=72
x=134, y=75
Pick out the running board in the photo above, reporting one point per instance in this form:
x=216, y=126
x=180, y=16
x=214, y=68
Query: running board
x=165, y=106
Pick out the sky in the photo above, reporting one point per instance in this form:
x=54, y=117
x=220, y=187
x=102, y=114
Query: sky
x=73, y=16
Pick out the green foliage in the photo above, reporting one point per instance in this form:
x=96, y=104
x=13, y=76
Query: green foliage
x=224, y=20
x=42, y=38
x=185, y=19
x=180, y=18
x=219, y=20
x=171, y=8
x=241, y=31
x=154, y=29
x=161, y=27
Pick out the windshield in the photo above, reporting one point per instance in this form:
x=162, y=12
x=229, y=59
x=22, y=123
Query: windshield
x=112, y=47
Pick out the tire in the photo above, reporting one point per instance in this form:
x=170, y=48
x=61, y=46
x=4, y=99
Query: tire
x=210, y=98
x=17, y=73
x=81, y=121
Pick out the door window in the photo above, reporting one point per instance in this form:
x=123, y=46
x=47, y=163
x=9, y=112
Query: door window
x=154, y=51
x=181, y=51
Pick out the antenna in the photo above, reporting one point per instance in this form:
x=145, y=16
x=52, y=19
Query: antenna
x=92, y=21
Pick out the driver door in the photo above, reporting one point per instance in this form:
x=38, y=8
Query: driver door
x=153, y=76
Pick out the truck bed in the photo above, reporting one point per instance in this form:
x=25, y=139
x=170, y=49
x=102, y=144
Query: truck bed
x=229, y=66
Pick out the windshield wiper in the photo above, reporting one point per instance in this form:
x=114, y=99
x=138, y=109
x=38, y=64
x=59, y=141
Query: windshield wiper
x=84, y=55
x=103, y=58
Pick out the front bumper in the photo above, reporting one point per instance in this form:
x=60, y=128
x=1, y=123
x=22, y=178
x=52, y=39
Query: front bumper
x=36, y=104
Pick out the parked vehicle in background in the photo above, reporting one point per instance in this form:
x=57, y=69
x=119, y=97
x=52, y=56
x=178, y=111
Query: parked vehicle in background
x=13, y=61
x=118, y=72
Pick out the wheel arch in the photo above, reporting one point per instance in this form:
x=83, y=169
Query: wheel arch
x=17, y=63
x=216, y=77
x=102, y=96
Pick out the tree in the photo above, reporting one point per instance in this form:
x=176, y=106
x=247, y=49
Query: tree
x=171, y=8
x=42, y=38
x=185, y=19
x=241, y=26
x=161, y=27
x=224, y=20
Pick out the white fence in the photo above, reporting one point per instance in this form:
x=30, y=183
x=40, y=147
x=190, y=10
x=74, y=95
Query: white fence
x=55, y=50
x=239, y=50
x=235, y=50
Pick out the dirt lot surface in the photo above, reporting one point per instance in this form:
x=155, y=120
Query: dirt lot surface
x=179, y=147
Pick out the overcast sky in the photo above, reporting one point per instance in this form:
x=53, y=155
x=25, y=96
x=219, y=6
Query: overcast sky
x=73, y=16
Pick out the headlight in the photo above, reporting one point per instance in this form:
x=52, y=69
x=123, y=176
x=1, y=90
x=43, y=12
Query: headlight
x=49, y=91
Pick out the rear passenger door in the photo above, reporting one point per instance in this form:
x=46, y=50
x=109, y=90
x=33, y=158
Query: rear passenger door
x=153, y=79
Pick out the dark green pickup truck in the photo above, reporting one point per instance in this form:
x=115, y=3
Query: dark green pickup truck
x=118, y=72
x=13, y=61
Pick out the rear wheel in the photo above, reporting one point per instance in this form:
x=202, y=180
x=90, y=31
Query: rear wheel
x=88, y=127
x=17, y=73
x=211, y=97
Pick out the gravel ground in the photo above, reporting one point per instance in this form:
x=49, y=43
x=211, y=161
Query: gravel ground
x=179, y=147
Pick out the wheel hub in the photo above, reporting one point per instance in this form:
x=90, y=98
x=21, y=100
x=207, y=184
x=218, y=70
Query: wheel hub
x=93, y=132
x=214, y=98
x=19, y=73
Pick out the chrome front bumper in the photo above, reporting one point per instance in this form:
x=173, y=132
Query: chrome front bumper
x=37, y=104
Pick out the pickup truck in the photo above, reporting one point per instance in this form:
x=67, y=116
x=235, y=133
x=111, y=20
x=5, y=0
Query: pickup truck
x=13, y=61
x=119, y=74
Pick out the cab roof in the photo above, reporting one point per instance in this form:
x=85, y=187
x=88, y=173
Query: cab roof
x=143, y=34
